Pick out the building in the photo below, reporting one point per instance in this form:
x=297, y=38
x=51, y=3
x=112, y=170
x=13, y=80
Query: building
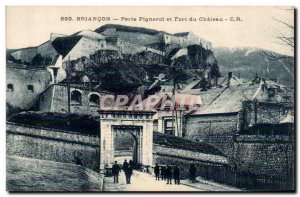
x=24, y=85
x=169, y=110
x=185, y=39
x=228, y=110
x=83, y=100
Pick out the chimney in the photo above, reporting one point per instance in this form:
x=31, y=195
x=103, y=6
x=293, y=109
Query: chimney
x=239, y=75
x=229, y=78
x=55, y=71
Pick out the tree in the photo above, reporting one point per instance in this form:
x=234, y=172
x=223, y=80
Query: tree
x=285, y=37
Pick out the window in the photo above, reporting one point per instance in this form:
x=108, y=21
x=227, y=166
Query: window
x=169, y=127
x=10, y=87
x=94, y=100
x=75, y=97
x=30, y=88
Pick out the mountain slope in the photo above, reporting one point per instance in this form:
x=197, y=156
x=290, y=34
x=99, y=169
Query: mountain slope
x=249, y=61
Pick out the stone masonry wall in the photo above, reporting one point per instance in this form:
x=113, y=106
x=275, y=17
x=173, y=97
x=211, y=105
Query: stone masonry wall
x=187, y=154
x=138, y=38
x=266, y=113
x=45, y=144
x=183, y=159
x=59, y=101
x=265, y=155
x=218, y=130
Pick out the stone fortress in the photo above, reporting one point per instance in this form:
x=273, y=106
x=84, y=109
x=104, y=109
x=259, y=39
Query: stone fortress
x=124, y=39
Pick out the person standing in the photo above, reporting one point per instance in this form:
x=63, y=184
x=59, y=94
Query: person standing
x=115, y=171
x=125, y=165
x=169, y=174
x=163, y=173
x=156, y=171
x=176, y=175
x=126, y=169
x=129, y=172
x=192, y=172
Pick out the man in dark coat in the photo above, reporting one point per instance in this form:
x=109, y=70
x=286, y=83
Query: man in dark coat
x=115, y=171
x=176, y=175
x=192, y=172
x=156, y=171
x=169, y=174
x=125, y=169
x=129, y=172
x=125, y=165
x=163, y=173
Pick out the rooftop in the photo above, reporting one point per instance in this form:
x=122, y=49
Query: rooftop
x=229, y=99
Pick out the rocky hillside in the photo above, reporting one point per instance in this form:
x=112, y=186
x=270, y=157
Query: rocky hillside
x=249, y=61
x=124, y=75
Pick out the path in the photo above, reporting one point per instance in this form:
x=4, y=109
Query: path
x=144, y=182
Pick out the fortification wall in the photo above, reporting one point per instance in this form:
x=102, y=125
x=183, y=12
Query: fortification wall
x=271, y=156
x=138, y=38
x=26, y=55
x=131, y=48
x=183, y=159
x=218, y=130
x=47, y=50
x=54, y=145
x=20, y=95
x=84, y=48
x=184, y=41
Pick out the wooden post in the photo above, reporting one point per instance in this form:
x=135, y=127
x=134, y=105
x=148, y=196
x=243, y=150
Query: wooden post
x=255, y=111
x=68, y=89
x=173, y=132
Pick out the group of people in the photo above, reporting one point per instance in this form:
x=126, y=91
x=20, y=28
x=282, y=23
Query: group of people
x=167, y=173
x=127, y=168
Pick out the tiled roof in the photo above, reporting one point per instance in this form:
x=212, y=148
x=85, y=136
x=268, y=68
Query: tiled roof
x=229, y=99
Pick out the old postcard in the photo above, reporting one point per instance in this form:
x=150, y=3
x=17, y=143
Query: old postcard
x=150, y=99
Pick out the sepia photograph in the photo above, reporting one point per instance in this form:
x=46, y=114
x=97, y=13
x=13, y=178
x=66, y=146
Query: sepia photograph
x=150, y=99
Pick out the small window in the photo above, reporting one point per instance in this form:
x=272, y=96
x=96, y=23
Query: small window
x=94, y=100
x=75, y=97
x=102, y=45
x=169, y=126
x=30, y=88
x=10, y=87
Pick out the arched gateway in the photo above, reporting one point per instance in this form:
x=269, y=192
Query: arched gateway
x=137, y=123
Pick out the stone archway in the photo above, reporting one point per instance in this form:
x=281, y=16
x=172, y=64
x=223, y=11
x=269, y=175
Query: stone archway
x=138, y=123
x=135, y=133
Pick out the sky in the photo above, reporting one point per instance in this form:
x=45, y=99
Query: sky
x=31, y=26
